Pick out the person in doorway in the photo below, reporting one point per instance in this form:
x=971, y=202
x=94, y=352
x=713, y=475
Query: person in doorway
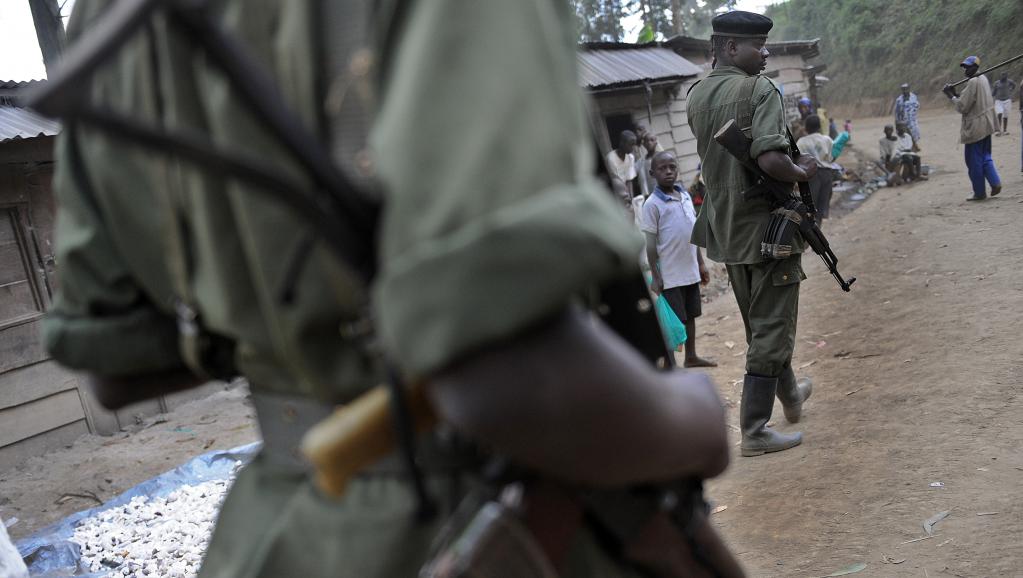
x=819, y=147
x=731, y=228
x=906, y=108
x=621, y=162
x=977, y=106
x=1002, y=91
x=676, y=265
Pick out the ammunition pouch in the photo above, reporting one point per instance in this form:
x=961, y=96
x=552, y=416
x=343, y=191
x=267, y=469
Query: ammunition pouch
x=786, y=221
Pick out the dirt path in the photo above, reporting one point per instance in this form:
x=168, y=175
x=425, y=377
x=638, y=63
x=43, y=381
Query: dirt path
x=918, y=374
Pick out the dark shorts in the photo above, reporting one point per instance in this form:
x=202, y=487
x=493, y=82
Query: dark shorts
x=685, y=301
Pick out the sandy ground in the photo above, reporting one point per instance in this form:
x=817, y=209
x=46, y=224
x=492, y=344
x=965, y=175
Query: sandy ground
x=917, y=371
x=917, y=376
x=95, y=469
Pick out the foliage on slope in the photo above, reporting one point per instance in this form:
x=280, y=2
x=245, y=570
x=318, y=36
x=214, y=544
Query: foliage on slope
x=872, y=46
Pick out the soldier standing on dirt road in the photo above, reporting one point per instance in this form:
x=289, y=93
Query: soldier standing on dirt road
x=731, y=227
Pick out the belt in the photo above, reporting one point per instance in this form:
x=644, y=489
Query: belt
x=285, y=418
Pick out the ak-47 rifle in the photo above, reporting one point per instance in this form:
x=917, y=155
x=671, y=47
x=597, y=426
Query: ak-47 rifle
x=789, y=211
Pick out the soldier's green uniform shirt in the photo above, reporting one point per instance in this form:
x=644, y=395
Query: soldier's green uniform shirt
x=731, y=227
x=492, y=222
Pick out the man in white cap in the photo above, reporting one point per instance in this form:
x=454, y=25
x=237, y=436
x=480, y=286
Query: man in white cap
x=906, y=108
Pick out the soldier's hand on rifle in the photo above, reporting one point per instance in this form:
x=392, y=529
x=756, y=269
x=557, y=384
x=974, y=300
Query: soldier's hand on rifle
x=808, y=164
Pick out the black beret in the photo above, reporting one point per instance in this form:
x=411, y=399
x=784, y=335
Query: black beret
x=741, y=24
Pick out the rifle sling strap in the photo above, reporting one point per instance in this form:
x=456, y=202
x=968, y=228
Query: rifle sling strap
x=744, y=111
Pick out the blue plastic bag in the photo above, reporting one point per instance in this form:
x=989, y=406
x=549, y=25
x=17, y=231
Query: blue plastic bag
x=671, y=326
x=836, y=149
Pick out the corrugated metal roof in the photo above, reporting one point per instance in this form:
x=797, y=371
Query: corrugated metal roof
x=18, y=123
x=17, y=84
x=626, y=64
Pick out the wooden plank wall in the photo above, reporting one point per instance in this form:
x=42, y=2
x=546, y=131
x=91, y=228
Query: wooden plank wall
x=666, y=118
x=40, y=404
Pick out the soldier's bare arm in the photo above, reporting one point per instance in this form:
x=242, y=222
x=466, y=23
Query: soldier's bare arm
x=780, y=166
x=574, y=401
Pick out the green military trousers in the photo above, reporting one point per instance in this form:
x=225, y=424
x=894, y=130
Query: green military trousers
x=768, y=298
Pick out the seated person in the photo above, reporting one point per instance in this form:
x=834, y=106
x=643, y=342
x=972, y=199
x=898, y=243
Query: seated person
x=907, y=152
x=889, y=161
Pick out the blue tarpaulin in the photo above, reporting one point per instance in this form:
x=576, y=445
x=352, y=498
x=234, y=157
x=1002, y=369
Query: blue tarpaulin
x=49, y=553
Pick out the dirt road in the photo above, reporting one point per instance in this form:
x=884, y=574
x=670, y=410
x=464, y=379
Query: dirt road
x=918, y=379
x=918, y=375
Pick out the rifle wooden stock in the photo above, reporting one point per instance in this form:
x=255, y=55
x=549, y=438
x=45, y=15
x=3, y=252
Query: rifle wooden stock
x=359, y=434
x=730, y=136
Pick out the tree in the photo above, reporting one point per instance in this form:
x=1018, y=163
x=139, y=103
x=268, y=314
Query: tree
x=598, y=20
x=601, y=20
x=49, y=30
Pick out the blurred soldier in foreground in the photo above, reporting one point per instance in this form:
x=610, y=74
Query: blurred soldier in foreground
x=171, y=272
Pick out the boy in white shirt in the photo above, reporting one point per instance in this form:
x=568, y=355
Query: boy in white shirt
x=676, y=264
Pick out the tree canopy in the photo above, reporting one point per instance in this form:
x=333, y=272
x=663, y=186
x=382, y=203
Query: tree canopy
x=605, y=20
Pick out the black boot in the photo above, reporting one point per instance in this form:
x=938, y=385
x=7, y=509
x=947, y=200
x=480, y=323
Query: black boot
x=755, y=412
x=792, y=393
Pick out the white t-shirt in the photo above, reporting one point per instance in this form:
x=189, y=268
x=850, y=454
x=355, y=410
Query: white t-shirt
x=624, y=169
x=670, y=217
x=889, y=148
x=819, y=147
x=905, y=143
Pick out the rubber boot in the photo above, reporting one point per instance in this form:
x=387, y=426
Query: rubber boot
x=792, y=393
x=754, y=413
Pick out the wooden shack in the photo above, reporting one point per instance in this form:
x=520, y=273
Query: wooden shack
x=42, y=405
x=633, y=84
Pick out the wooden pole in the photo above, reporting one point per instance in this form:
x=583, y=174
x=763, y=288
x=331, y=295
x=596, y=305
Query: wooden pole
x=49, y=31
x=987, y=70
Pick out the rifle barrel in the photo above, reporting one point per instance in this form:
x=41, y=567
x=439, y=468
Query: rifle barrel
x=999, y=65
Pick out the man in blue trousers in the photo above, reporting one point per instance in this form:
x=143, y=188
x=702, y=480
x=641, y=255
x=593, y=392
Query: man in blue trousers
x=977, y=105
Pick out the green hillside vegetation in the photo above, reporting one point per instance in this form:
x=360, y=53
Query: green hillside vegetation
x=872, y=46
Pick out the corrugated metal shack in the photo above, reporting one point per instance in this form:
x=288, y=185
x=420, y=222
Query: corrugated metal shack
x=42, y=406
x=640, y=84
